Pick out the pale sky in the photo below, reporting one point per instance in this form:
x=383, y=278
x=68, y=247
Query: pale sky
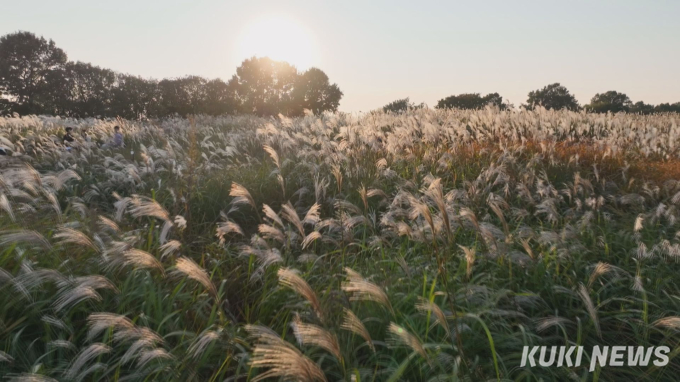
x=379, y=51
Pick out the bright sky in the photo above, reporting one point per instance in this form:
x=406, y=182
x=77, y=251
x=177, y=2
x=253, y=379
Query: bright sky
x=378, y=51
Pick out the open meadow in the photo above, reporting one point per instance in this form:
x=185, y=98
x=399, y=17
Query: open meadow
x=428, y=245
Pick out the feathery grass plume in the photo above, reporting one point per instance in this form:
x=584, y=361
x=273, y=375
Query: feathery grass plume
x=89, y=353
x=226, y=227
x=642, y=252
x=148, y=355
x=121, y=205
x=436, y=193
x=672, y=322
x=52, y=198
x=308, y=334
x=187, y=267
x=289, y=213
x=399, y=336
x=404, y=265
x=362, y=290
x=376, y=192
x=590, y=307
x=638, y=223
x=273, y=154
x=381, y=164
x=467, y=213
x=169, y=248
x=313, y=215
x=4, y=357
x=241, y=195
x=337, y=173
x=543, y=324
x=289, y=278
x=353, y=324
x=137, y=259
x=499, y=213
x=98, y=322
x=346, y=205
x=425, y=305
x=72, y=296
x=309, y=239
x=31, y=238
x=180, y=222
x=320, y=186
x=527, y=248
x=364, y=197
x=139, y=343
x=419, y=208
x=281, y=358
x=63, y=177
x=599, y=270
x=269, y=213
x=144, y=206
x=72, y=236
x=637, y=284
x=30, y=377
x=270, y=232
x=469, y=259
x=165, y=230
x=106, y=223
x=201, y=342
x=6, y=206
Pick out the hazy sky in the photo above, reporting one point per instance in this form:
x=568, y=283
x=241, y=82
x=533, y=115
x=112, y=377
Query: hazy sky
x=378, y=51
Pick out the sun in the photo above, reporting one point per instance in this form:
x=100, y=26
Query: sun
x=279, y=38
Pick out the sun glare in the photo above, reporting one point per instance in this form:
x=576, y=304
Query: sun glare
x=279, y=38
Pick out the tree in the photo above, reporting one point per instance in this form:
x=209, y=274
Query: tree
x=554, y=96
x=182, y=96
x=611, y=101
x=88, y=91
x=37, y=78
x=219, y=98
x=313, y=91
x=135, y=98
x=30, y=70
x=471, y=101
x=667, y=108
x=398, y=106
x=262, y=86
x=642, y=108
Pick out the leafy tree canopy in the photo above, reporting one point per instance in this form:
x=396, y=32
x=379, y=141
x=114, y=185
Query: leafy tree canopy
x=553, y=96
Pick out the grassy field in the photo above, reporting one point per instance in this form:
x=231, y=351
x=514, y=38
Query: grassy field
x=426, y=246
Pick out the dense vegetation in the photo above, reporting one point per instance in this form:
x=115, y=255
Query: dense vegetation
x=37, y=78
x=427, y=245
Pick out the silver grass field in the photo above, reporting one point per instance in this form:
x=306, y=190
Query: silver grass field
x=431, y=245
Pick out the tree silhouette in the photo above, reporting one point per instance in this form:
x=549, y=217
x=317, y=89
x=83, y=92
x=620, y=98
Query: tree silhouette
x=313, y=91
x=401, y=105
x=37, y=78
x=88, y=91
x=219, y=98
x=471, y=101
x=263, y=86
x=553, y=96
x=31, y=69
x=642, y=108
x=611, y=101
x=667, y=108
x=136, y=98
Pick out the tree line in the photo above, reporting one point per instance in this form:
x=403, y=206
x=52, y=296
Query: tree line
x=553, y=96
x=36, y=77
